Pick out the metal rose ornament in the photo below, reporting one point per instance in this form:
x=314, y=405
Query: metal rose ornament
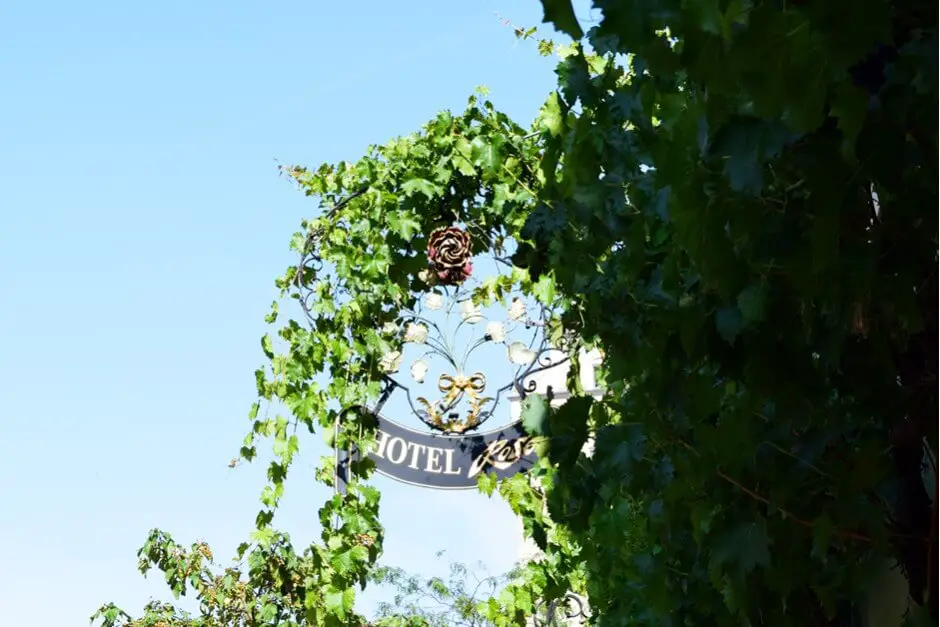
x=449, y=254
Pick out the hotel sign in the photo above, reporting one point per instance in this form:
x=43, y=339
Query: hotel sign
x=449, y=462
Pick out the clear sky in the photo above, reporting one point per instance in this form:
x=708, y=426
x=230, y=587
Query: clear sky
x=142, y=223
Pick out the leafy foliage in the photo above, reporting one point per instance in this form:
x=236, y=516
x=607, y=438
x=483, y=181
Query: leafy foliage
x=436, y=602
x=271, y=585
x=361, y=264
x=734, y=221
x=735, y=201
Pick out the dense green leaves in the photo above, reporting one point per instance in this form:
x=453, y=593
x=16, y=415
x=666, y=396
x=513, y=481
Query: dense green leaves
x=744, y=303
x=736, y=202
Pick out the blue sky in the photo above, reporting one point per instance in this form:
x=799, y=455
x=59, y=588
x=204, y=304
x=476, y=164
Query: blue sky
x=142, y=223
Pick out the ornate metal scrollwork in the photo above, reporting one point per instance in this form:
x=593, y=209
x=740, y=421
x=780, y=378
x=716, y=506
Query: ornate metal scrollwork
x=432, y=351
x=561, y=612
x=466, y=398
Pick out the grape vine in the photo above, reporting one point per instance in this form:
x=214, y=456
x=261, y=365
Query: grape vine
x=735, y=201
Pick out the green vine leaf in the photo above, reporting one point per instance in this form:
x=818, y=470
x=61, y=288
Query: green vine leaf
x=534, y=414
x=729, y=321
x=422, y=186
x=751, y=303
x=561, y=14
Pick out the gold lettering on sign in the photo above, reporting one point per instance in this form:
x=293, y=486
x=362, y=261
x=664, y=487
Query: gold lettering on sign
x=502, y=454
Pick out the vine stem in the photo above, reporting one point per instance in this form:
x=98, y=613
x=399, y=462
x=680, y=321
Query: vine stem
x=806, y=523
x=931, y=545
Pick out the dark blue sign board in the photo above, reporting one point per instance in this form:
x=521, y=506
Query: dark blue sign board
x=444, y=461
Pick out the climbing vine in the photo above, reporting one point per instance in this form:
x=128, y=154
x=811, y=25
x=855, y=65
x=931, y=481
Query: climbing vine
x=384, y=234
x=748, y=227
x=735, y=201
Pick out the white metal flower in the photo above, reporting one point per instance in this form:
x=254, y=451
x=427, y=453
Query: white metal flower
x=517, y=309
x=416, y=333
x=390, y=362
x=470, y=312
x=496, y=331
x=520, y=354
x=419, y=368
x=434, y=300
